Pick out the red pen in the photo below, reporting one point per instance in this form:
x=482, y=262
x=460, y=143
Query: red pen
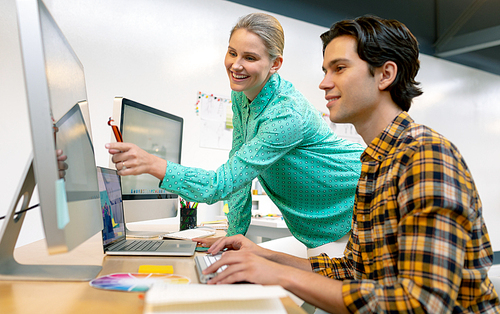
x=116, y=131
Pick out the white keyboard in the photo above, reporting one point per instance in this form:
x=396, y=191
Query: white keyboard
x=189, y=234
x=204, y=261
x=210, y=259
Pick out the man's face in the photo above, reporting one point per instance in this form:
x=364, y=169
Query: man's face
x=351, y=91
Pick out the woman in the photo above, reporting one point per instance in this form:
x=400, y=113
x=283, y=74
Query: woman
x=278, y=137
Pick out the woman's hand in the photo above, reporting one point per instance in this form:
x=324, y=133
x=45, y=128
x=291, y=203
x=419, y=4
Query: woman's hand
x=237, y=242
x=129, y=159
x=62, y=166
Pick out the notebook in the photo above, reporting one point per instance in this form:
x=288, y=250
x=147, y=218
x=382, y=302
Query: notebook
x=114, y=231
x=193, y=298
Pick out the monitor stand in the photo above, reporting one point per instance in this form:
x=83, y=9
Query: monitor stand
x=10, y=269
x=134, y=211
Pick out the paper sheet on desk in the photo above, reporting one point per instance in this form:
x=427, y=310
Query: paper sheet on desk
x=195, y=298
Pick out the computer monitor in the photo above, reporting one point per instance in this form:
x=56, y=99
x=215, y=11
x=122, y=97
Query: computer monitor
x=158, y=133
x=70, y=206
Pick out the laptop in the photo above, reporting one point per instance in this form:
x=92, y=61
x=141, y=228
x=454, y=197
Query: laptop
x=114, y=232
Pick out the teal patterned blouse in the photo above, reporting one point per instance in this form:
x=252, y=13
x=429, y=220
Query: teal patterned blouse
x=305, y=169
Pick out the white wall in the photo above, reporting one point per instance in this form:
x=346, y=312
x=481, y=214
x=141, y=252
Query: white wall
x=463, y=104
x=162, y=52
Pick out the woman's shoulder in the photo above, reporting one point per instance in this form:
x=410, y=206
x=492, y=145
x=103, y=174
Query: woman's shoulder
x=288, y=94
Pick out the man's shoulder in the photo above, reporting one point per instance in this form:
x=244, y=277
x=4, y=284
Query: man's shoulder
x=419, y=137
x=420, y=134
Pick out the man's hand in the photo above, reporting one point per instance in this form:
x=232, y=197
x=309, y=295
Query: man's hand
x=206, y=242
x=246, y=266
x=243, y=266
x=237, y=242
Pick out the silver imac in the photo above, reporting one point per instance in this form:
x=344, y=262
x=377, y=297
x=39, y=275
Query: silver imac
x=59, y=119
x=159, y=133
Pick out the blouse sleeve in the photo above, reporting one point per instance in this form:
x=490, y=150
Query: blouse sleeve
x=275, y=137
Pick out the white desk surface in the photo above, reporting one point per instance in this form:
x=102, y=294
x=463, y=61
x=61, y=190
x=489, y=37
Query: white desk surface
x=272, y=222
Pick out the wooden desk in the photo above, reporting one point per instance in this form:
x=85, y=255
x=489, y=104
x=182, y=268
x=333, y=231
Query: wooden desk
x=80, y=297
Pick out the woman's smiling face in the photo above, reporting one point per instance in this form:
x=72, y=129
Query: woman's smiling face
x=248, y=63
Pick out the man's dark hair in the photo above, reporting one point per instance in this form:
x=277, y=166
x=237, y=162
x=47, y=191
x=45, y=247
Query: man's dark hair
x=378, y=41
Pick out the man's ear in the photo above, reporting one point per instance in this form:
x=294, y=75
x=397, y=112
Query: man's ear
x=388, y=74
x=277, y=64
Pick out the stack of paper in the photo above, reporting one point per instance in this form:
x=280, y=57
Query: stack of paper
x=197, y=298
x=189, y=234
x=217, y=224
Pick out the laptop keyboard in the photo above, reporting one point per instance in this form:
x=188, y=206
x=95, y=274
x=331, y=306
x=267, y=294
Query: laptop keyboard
x=138, y=245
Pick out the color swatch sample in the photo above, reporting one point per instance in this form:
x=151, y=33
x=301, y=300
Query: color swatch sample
x=156, y=269
x=135, y=282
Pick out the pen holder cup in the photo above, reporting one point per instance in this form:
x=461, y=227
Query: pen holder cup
x=188, y=218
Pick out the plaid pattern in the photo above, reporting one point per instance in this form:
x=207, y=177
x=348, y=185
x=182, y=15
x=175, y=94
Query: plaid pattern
x=419, y=243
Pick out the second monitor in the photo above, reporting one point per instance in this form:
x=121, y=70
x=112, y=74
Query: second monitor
x=159, y=133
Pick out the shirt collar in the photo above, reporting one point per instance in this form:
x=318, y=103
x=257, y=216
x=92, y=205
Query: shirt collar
x=263, y=98
x=385, y=141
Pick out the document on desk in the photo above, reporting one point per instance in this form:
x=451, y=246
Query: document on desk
x=198, y=298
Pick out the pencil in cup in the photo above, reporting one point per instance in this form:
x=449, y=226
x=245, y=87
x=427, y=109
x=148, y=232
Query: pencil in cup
x=188, y=218
x=188, y=215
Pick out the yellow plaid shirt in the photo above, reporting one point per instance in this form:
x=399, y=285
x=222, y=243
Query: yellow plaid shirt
x=419, y=243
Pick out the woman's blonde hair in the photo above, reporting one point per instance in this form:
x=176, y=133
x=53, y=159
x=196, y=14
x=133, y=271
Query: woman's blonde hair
x=267, y=27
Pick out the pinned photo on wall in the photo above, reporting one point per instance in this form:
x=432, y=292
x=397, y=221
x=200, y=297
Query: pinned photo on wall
x=216, y=128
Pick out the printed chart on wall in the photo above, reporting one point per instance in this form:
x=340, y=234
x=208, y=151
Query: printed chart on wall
x=216, y=129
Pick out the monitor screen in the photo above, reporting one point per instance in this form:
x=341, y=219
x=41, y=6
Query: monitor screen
x=158, y=133
x=74, y=140
x=111, y=205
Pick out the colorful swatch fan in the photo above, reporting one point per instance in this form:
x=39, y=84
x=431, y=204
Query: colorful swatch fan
x=135, y=282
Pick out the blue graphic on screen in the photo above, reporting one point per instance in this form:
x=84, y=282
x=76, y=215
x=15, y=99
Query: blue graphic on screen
x=111, y=205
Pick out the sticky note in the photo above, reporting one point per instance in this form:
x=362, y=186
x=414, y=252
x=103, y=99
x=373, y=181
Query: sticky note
x=156, y=269
x=61, y=204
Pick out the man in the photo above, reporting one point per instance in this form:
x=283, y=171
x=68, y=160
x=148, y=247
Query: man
x=419, y=243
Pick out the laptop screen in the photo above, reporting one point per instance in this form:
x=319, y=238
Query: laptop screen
x=111, y=205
